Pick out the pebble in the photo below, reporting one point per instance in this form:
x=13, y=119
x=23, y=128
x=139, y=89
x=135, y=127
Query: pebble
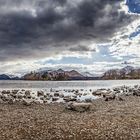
x=68, y=95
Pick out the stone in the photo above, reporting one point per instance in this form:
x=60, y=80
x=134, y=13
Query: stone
x=120, y=99
x=55, y=99
x=47, y=94
x=61, y=95
x=13, y=95
x=50, y=95
x=26, y=102
x=4, y=92
x=104, y=95
x=41, y=98
x=88, y=100
x=23, y=90
x=45, y=101
x=8, y=92
x=136, y=93
x=110, y=97
x=40, y=93
x=33, y=98
x=27, y=93
x=96, y=93
x=84, y=94
x=136, y=86
x=15, y=91
x=10, y=101
x=36, y=102
x=79, y=107
x=28, y=97
x=69, y=99
x=56, y=94
x=77, y=91
x=48, y=98
x=74, y=96
x=19, y=96
x=4, y=98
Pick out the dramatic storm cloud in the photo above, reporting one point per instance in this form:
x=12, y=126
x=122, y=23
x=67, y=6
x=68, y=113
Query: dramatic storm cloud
x=49, y=31
x=41, y=28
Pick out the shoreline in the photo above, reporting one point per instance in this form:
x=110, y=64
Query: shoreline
x=58, y=95
x=107, y=118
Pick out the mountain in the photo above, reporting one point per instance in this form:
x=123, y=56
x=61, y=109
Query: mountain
x=60, y=71
x=13, y=77
x=127, y=72
x=8, y=77
x=4, y=77
x=87, y=74
x=127, y=69
x=53, y=75
x=73, y=74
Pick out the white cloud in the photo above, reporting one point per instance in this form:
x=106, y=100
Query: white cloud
x=123, y=45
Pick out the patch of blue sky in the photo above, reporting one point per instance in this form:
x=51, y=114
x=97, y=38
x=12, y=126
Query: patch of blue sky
x=100, y=56
x=67, y=60
x=135, y=33
x=133, y=5
x=104, y=54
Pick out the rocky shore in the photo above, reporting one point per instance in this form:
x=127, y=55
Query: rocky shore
x=28, y=97
x=70, y=114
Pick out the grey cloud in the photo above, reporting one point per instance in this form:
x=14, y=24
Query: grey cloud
x=81, y=48
x=42, y=28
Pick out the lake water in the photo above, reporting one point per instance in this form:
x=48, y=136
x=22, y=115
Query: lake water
x=96, y=84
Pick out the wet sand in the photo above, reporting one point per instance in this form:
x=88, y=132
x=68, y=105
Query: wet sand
x=118, y=120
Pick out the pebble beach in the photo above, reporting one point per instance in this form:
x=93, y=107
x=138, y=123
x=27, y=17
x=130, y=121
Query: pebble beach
x=39, y=115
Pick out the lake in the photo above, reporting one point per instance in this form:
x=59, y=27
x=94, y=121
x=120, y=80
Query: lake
x=96, y=84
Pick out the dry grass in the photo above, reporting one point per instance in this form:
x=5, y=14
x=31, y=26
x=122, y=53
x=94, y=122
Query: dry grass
x=119, y=120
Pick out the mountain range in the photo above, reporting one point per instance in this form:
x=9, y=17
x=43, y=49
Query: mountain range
x=54, y=75
x=127, y=72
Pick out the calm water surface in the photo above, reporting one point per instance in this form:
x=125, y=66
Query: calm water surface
x=66, y=84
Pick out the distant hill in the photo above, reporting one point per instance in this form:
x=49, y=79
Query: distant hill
x=8, y=77
x=54, y=75
x=127, y=72
x=4, y=77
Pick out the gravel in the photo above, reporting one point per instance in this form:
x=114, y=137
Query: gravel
x=112, y=120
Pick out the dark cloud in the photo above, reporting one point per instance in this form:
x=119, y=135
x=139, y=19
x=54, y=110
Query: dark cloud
x=81, y=48
x=41, y=28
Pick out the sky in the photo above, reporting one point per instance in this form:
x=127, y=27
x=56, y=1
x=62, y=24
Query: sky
x=85, y=35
